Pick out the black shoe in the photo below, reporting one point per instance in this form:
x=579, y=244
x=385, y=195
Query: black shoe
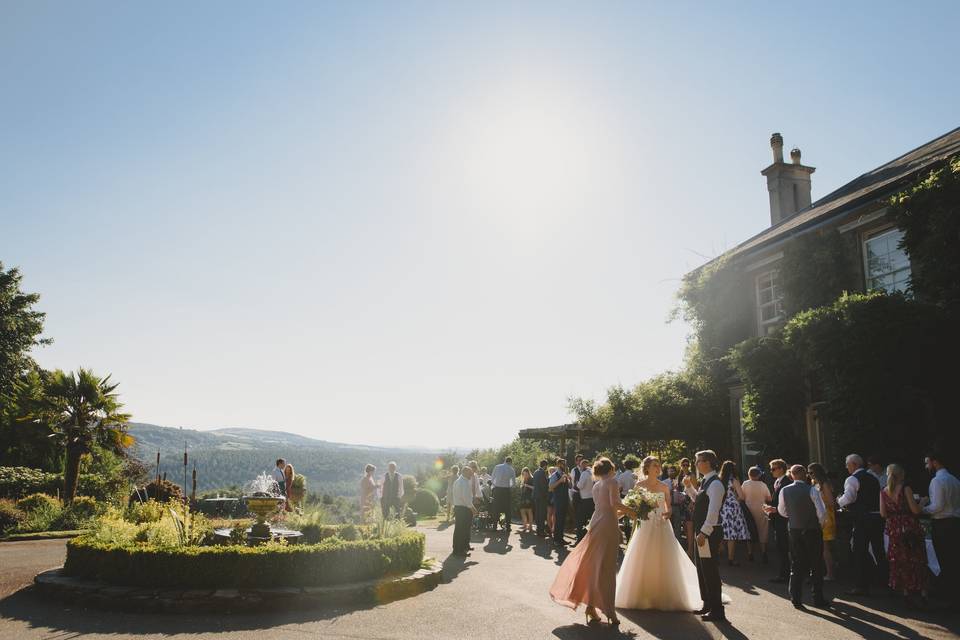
x=780, y=580
x=714, y=617
x=799, y=606
x=701, y=612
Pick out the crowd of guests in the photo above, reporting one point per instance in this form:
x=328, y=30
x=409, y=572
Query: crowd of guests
x=793, y=512
x=385, y=492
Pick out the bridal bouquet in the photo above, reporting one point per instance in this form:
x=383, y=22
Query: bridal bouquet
x=641, y=501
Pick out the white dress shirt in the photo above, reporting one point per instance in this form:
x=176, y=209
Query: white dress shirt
x=279, y=477
x=944, y=496
x=851, y=486
x=586, y=485
x=463, y=493
x=627, y=480
x=817, y=503
x=504, y=476
x=715, y=493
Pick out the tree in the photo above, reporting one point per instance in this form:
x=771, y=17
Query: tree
x=20, y=329
x=82, y=409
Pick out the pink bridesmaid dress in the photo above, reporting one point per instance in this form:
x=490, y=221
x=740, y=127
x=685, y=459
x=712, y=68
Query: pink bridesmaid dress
x=589, y=574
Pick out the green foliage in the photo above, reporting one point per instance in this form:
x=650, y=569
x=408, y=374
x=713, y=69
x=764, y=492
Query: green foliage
x=929, y=215
x=78, y=514
x=20, y=329
x=140, y=512
x=177, y=526
x=425, y=503
x=38, y=501
x=10, y=516
x=817, y=268
x=333, y=561
x=41, y=512
x=716, y=300
x=350, y=532
x=17, y=482
x=164, y=491
x=525, y=453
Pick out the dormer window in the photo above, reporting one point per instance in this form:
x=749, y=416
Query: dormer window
x=769, y=302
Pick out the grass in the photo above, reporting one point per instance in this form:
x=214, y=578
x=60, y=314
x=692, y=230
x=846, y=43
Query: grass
x=42, y=535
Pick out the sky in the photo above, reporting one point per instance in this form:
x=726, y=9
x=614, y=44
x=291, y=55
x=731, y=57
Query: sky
x=418, y=224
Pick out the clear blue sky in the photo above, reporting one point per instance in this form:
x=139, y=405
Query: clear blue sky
x=418, y=223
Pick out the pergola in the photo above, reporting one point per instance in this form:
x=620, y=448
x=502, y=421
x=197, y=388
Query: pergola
x=561, y=433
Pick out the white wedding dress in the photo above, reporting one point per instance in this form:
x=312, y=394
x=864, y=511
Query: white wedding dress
x=656, y=572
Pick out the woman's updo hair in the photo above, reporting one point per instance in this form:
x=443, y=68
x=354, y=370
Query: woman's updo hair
x=602, y=467
x=645, y=465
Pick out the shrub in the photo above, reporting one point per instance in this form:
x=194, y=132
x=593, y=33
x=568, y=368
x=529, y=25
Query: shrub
x=40, y=512
x=425, y=503
x=164, y=491
x=332, y=561
x=140, y=512
x=17, y=482
x=78, y=514
x=37, y=502
x=10, y=515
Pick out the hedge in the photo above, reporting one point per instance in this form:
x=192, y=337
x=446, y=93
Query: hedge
x=332, y=561
x=17, y=482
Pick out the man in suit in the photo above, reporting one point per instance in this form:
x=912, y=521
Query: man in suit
x=781, y=533
x=802, y=506
x=391, y=492
x=560, y=487
x=706, y=522
x=541, y=490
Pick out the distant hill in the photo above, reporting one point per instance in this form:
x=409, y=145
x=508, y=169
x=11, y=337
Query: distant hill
x=235, y=456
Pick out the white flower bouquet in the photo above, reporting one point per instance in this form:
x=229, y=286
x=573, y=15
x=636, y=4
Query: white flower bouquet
x=643, y=502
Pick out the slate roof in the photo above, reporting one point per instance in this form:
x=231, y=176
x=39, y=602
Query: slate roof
x=882, y=181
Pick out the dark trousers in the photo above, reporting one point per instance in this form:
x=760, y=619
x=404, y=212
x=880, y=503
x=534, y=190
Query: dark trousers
x=946, y=533
x=560, y=513
x=386, y=504
x=584, y=513
x=781, y=536
x=806, y=556
x=708, y=573
x=463, y=517
x=868, y=534
x=540, y=514
x=501, y=504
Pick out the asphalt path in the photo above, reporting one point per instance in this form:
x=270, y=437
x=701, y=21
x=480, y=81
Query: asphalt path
x=500, y=591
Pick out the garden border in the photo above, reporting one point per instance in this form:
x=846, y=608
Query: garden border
x=99, y=594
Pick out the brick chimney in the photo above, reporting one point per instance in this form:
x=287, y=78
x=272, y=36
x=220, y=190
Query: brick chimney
x=788, y=184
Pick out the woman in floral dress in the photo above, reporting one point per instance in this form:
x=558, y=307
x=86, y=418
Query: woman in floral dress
x=907, y=553
x=731, y=513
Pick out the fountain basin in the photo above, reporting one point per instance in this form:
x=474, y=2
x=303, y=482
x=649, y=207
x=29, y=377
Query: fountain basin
x=255, y=536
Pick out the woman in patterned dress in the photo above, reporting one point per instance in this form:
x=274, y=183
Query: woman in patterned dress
x=907, y=552
x=818, y=474
x=731, y=513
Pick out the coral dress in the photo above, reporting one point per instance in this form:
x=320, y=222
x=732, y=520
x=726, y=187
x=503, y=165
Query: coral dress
x=907, y=552
x=589, y=574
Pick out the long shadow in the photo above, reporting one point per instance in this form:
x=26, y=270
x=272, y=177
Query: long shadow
x=663, y=624
x=453, y=566
x=582, y=631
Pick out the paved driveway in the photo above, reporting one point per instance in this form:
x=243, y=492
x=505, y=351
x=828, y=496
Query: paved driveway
x=498, y=593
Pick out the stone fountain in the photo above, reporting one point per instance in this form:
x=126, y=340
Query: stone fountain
x=262, y=497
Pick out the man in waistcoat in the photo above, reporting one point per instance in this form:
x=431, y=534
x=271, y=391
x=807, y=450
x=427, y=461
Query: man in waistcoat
x=706, y=522
x=802, y=506
x=861, y=499
x=391, y=492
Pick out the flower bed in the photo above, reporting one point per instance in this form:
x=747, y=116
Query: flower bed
x=332, y=561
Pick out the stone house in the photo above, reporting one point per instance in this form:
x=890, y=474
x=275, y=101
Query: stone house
x=857, y=210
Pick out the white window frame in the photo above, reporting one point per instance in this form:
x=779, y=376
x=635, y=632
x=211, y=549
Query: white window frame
x=764, y=326
x=867, y=239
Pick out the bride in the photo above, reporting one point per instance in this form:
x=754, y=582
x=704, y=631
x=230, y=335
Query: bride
x=656, y=572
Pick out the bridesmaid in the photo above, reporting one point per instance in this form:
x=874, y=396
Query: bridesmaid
x=589, y=574
x=818, y=474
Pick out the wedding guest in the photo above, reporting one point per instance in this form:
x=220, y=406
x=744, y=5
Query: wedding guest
x=626, y=480
x=484, y=476
x=676, y=495
x=757, y=495
x=560, y=490
x=368, y=490
x=781, y=533
x=391, y=492
x=732, y=518
x=541, y=493
x=586, y=507
x=503, y=479
x=452, y=478
x=279, y=477
x=464, y=511
x=706, y=520
x=288, y=475
x=876, y=469
x=821, y=480
x=526, y=500
x=475, y=483
x=690, y=484
x=589, y=574
x=801, y=505
x=907, y=551
x=943, y=506
x=574, y=489
x=861, y=498
x=551, y=509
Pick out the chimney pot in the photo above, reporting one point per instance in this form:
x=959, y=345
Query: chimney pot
x=776, y=143
x=795, y=155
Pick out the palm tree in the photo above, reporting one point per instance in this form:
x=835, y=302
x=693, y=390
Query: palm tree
x=81, y=409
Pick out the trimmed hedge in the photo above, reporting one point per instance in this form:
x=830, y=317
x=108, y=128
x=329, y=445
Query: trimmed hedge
x=425, y=503
x=332, y=561
x=17, y=482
